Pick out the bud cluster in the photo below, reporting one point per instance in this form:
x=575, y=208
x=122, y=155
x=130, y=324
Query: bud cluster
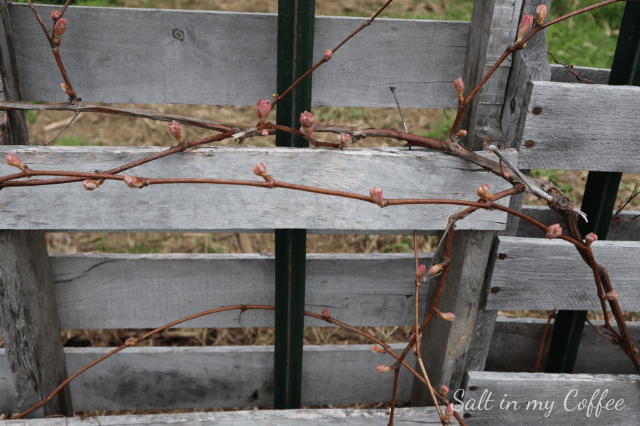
x=262, y=109
x=376, y=195
x=554, y=231
x=261, y=170
x=58, y=29
x=459, y=85
x=308, y=123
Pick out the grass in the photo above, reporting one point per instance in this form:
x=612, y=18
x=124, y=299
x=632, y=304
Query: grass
x=139, y=247
x=77, y=140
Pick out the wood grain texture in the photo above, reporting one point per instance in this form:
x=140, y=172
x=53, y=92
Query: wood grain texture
x=561, y=74
x=516, y=341
x=323, y=417
x=28, y=317
x=541, y=274
x=196, y=208
x=494, y=26
x=532, y=392
x=582, y=127
x=145, y=291
x=186, y=377
x=230, y=58
x=625, y=229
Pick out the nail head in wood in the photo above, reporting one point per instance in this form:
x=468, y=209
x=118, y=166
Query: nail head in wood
x=179, y=34
x=502, y=256
x=537, y=110
x=494, y=290
x=529, y=144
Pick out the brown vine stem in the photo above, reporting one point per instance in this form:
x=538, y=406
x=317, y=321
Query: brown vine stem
x=335, y=49
x=242, y=308
x=514, y=48
x=56, y=52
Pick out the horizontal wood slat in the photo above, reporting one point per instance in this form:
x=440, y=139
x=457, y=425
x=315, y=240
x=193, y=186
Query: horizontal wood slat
x=516, y=341
x=624, y=229
x=99, y=291
x=323, y=417
x=199, y=208
x=582, y=127
x=219, y=376
x=230, y=58
x=540, y=274
x=538, y=394
x=560, y=74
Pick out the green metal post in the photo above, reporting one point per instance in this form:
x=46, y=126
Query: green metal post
x=295, y=56
x=599, y=195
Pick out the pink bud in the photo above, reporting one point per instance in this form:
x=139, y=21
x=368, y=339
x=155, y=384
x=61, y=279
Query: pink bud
x=377, y=349
x=612, y=295
x=133, y=182
x=383, y=368
x=58, y=29
x=265, y=132
x=541, y=13
x=448, y=413
x=447, y=316
x=308, y=122
x=325, y=313
x=261, y=170
x=262, y=109
x=461, y=133
x=90, y=184
x=591, y=238
x=421, y=271
x=444, y=390
x=66, y=88
x=345, y=138
x=483, y=192
x=554, y=231
x=507, y=175
x=435, y=269
x=376, y=195
x=55, y=15
x=174, y=129
x=525, y=26
x=459, y=85
x=12, y=160
x=327, y=55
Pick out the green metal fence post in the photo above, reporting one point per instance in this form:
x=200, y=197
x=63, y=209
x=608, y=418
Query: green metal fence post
x=295, y=55
x=599, y=195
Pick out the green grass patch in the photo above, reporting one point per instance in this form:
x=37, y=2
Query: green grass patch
x=77, y=140
x=441, y=129
x=142, y=246
x=209, y=244
x=31, y=116
x=552, y=176
x=94, y=3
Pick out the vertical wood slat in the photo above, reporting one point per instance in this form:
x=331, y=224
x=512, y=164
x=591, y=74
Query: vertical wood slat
x=446, y=347
x=29, y=320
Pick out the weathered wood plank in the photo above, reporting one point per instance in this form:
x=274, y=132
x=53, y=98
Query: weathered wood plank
x=544, y=399
x=195, y=208
x=28, y=317
x=582, y=127
x=230, y=58
x=516, y=341
x=219, y=376
x=561, y=74
x=98, y=291
x=625, y=229
x=540, y=274
x=323, y=417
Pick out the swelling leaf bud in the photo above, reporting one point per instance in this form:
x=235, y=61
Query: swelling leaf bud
x=325, y=313
x=612, y=295
x=90, y=184
x=12, y=160
x=448, y=413
x=554, y=231
x=541, y=13
x=444, y=390
x=483, y=192
x=133, y=182
x=66, y=88
x=377, y=349
x=174, y=129
x=376, y=195
x=461, y=133
x=58, y=29
x=308, y=122
x=525, y=26
x=383, y=368
x=591, y=238
x=345, y=138
x=459, y=85
x=435, y=269
x=328, y=54
x=262, y=109
x=447, y=316
x=421, y=271
x=55, y=15
x=261, y=170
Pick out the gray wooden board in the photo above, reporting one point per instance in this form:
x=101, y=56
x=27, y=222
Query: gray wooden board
x=195, y=208
x=306, y=417
x=222, y=376
x=556, y=394
x=516, y=342
x=582, y=127
x=626, y=229
x=541, y=274
x=561, y=74
x=230, y=58
x=100, y=291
